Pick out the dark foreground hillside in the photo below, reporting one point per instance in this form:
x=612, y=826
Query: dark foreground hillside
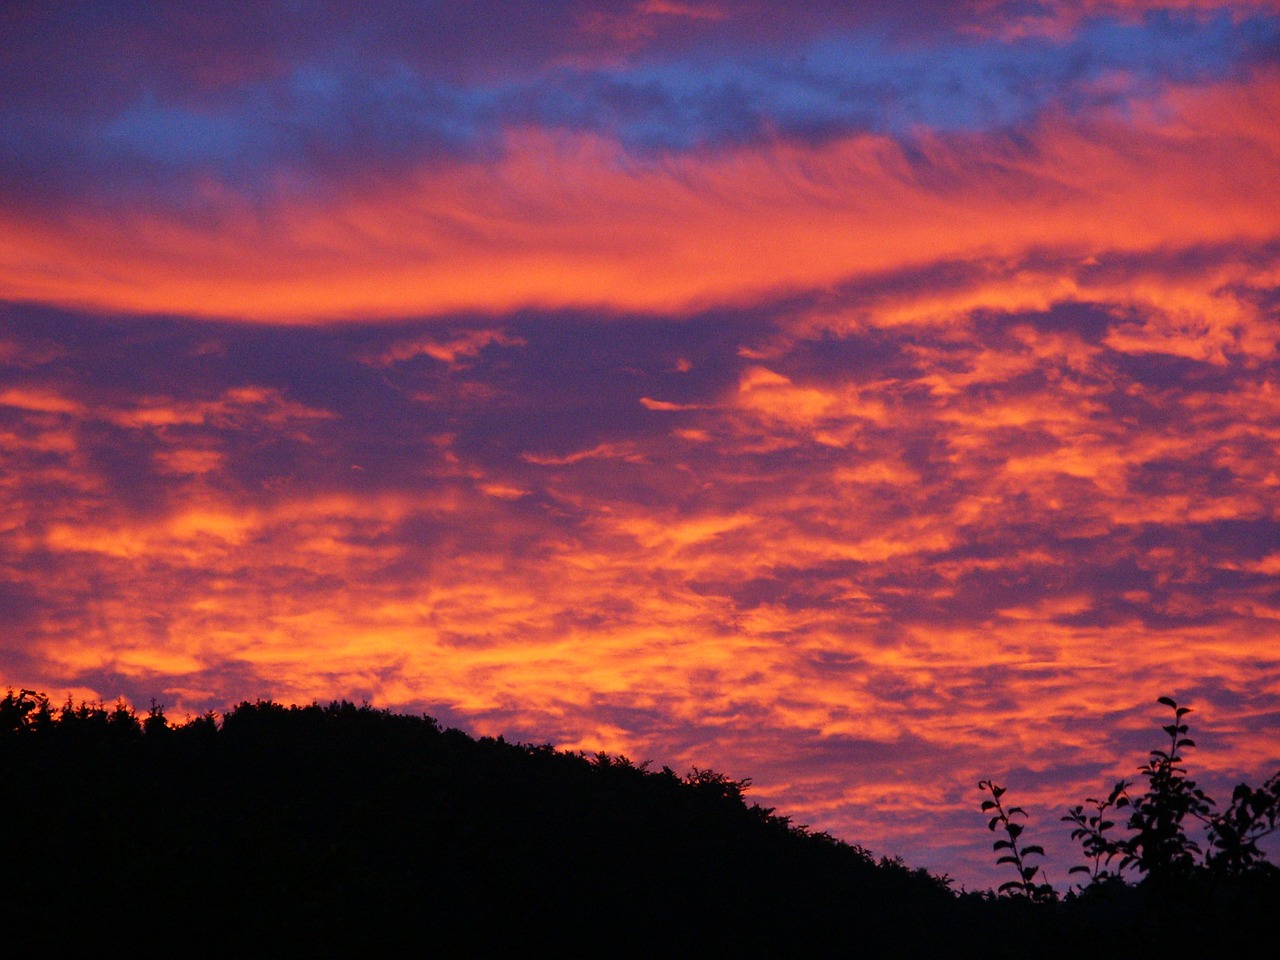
x=346, y=830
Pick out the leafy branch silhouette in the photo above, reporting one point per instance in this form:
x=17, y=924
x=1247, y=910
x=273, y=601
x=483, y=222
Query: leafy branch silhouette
x=1026, y=885
x=1091, y=830
x=1157, y=845
x=1234, y=834
x=1160, y=846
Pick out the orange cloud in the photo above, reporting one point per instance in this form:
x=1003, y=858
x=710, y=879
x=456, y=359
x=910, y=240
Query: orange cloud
x=539, y=226
x=665, y=405
x=451, y=351
x=1003, y=468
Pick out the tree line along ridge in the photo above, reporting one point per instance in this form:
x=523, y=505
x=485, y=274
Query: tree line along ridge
x=344, y=828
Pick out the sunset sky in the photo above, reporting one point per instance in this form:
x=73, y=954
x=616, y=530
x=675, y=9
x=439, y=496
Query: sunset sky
x=864, y=398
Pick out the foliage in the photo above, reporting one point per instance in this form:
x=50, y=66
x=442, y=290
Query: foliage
x=1026, y=885
x=1158, y=845
x=1092, y=830
x=1234, y=834
x=18, y=712
x=344, y=829
x=1150, y=883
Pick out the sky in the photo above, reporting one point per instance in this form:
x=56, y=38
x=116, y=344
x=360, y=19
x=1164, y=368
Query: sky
x=866, y=399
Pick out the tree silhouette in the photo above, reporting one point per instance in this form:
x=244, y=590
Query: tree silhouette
x=1176, y=895
x=345, y=829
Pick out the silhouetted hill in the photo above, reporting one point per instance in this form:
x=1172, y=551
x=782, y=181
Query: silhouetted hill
x=349, y=830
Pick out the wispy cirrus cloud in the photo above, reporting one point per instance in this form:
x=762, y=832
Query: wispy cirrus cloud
x=537, y=226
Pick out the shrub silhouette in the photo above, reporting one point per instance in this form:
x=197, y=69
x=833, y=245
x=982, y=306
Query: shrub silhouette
x=1234, y=834
x=1154, y=888
x=1159, y=845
